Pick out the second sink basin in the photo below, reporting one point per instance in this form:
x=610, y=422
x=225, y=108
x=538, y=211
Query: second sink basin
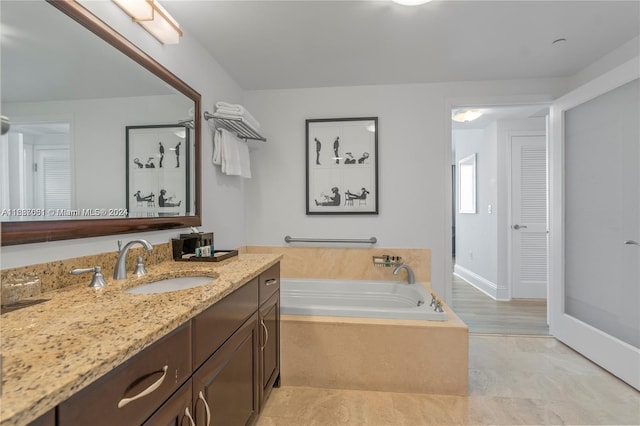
x=170, y=284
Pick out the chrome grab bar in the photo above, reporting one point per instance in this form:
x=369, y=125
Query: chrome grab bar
x=372, y=240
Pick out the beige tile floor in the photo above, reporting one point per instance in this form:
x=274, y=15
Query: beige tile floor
x=513, y=380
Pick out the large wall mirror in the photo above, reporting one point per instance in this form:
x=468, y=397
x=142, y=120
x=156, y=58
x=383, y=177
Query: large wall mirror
x=73, y=90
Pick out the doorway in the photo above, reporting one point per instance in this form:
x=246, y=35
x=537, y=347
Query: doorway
x=499, y=232
x=36, y=160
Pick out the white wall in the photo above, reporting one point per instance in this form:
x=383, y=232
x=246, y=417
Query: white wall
x=223, y=198
x=414, y=161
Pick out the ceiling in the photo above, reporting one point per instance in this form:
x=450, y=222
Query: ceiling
x=301, y=44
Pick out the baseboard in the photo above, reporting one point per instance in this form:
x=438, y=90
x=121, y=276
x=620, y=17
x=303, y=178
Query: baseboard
x=487, y=287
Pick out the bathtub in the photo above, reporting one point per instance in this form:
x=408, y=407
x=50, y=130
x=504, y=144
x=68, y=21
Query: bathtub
x=370, y=336
x=356, y=298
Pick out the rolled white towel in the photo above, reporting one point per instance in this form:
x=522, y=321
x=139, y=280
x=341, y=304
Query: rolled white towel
x=234, y=109
x=221, y=104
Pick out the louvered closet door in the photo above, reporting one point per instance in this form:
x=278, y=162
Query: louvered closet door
x=528, y=217
x=53, y=179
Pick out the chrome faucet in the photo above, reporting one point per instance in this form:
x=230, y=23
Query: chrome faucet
x=120, y=271
x=411, y=277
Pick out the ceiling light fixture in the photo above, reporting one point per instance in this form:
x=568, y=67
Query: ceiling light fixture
x=466, y=115
x=153, y=18
x=411, y=2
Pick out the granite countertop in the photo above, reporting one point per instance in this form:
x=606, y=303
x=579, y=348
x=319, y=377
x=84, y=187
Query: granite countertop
x=53, y=349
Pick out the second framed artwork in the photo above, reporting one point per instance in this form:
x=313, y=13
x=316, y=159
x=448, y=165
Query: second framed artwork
x=158, y=170
x=342, y=165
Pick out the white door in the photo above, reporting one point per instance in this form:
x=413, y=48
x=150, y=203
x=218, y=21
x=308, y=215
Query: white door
x=52, y=178
x=595, y=218
x=528, y=263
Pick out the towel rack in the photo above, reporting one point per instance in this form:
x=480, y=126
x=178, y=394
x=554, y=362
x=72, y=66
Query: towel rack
x=235, y=125
x=288, y=239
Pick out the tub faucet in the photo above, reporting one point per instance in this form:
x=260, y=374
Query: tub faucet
x=411, y=277
x=120, y=271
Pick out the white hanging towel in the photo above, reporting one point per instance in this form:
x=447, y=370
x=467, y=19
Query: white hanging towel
x=217, y=148
x=234, y=154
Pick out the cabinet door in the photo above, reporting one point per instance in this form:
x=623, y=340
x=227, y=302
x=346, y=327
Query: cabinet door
x=225, y=388
x=176, y=411
x=269, y=345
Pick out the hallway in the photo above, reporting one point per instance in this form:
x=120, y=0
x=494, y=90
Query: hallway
x=487, y=316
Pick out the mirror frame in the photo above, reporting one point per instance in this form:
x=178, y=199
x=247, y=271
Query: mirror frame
x=14, y=233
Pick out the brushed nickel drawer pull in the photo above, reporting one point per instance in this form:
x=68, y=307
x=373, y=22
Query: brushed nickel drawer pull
x=147, y=391
x=206, y=407
x=266, y=334
x=271, y=282
x=188, y=415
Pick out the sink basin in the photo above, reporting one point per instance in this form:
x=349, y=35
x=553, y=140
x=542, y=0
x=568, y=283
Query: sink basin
x=170, y=284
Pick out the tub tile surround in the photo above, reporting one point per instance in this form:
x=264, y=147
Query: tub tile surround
x=348, y=263
x=374, y=354
x=365, y=353
x=53, y=349
x=56, y=275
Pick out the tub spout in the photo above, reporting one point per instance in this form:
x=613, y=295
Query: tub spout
x=411, y=278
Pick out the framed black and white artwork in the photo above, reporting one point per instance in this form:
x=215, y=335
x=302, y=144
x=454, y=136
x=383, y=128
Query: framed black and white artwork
x=342, y=166
x=158, y=166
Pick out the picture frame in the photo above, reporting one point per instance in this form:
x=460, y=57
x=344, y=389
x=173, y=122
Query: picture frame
x=342, y=166
x=158, y=170
x=467, y=185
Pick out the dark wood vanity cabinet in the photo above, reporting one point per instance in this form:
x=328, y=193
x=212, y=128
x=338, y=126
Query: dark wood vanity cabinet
x=227, y=362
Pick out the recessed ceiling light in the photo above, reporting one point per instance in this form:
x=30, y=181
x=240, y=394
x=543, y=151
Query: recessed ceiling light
x=411, y=2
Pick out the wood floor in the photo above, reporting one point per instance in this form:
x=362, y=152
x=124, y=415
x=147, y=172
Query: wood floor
x=487, y=316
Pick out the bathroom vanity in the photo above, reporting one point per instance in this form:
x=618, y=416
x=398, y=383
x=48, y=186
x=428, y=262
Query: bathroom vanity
x=210, y=353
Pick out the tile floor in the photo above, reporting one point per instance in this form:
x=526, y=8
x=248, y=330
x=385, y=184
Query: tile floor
x=513, y=380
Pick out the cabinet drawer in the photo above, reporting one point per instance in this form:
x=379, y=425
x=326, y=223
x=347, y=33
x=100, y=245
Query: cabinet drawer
x=212, y=327
x=134, y=390
x=269, y=282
